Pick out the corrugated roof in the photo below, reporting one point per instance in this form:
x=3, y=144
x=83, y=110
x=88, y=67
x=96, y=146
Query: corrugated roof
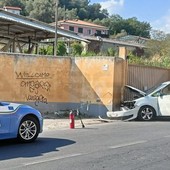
x=114, y=41
x=12, y=24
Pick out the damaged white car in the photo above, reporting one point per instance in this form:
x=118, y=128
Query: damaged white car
x=147, y=105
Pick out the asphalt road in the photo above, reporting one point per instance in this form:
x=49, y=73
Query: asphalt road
x=109, y=146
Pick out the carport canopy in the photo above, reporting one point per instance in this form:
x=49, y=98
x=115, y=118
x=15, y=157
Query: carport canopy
x=17, y=30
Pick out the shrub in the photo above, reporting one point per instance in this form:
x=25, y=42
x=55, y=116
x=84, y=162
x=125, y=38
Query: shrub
x=77, y=48
x=61, y=48
x=88, y=54
x=111, y=52
x=49, y=50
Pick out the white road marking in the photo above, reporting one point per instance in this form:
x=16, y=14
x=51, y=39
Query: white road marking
x=52, y=159
x=168, y=136
x=127, y=144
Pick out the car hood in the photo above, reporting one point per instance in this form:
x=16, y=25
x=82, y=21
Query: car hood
x=135, y=90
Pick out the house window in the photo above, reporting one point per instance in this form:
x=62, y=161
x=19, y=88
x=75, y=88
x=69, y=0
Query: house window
x=80, y=30
x=89, y=32
x=98, y=32
x=71, y=28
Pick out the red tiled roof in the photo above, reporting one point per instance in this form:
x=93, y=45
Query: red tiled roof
x=12, y=7
x=80, y=22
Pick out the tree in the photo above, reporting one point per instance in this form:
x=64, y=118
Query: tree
x=132, y=26
x=66, y=14
x=135, y=27
x=16, y=3
x=71, y=14
x=74, y=4
x=95, y=11
x=114, y=23
x=41, y=10
x=83, y=13
x=158, y=35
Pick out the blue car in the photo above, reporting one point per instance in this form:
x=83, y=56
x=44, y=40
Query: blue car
x=19, y=121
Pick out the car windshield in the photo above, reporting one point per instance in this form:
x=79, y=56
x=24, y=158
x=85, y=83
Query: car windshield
x=155, y=88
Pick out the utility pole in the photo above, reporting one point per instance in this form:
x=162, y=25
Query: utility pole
x=56, y=24
x=64, y=12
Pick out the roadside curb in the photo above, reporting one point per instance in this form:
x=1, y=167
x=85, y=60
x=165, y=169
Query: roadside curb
x=57, y=124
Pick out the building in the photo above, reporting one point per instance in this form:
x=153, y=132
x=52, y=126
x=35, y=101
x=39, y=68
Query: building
x=134, y=39
x=84, y=28
x=14, y=10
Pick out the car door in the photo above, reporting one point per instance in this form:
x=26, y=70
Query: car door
x=164, y=101
x=4, y=123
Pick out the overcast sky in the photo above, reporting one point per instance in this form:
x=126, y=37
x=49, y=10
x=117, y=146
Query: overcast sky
x=156, y=12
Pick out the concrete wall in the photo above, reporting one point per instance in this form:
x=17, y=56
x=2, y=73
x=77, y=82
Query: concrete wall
x=59, y=83
x=119, y=80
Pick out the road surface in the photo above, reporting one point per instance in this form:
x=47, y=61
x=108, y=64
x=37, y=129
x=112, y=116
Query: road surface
x=109, y=146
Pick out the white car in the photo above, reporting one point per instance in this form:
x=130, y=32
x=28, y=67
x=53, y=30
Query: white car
x=152, y=103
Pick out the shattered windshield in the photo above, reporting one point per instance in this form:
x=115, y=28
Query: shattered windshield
x=155, y=88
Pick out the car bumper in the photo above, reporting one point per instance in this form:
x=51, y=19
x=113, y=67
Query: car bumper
x=124, y=114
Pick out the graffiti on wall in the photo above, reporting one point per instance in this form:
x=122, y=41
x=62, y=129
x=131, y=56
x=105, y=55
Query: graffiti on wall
x=36, y=84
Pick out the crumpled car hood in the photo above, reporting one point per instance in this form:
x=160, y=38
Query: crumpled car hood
x=135, y=90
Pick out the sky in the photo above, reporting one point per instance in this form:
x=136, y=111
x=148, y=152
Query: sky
x=155, y=12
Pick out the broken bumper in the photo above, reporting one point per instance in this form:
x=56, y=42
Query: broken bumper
x=124, y=114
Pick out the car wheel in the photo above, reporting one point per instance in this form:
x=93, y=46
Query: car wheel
x=28, y=129
x=146, y=113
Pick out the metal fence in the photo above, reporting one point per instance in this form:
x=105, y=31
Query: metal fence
x=144, y=77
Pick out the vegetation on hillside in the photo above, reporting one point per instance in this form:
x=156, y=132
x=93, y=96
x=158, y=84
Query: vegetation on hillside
x=157, y=52
x=44, y=10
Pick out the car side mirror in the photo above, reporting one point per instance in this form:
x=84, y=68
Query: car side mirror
x=159, y=94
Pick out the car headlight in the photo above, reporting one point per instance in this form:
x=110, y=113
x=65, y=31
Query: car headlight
x=129, y=104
